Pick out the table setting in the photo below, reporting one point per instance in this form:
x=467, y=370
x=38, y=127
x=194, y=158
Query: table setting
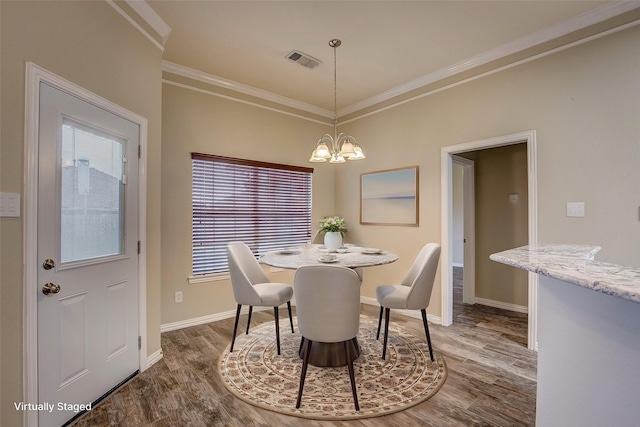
x=348, y=255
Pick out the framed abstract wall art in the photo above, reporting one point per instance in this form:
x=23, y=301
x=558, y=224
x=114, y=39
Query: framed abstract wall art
x=389, y=197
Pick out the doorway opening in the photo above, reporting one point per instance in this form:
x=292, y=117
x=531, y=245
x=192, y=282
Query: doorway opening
x=450, y=155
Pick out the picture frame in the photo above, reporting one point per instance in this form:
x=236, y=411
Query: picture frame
x=390, y=197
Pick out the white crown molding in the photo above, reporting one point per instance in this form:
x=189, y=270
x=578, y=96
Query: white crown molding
x=211, y=79
x=150, y=16
x=135, y=24
x=242, y=101
x=496, y=70
x=566, y=27
x=563, y=28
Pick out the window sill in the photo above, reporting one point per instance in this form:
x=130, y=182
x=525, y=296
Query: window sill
x=207, y=278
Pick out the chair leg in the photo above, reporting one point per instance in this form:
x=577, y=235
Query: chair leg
x=386, y=332
x=303, y=374
x=352, y=377
x=275, y=312
x=290, y=316
x=426, y=331
x=249, y=321
x=235, y=328
x=379, y=323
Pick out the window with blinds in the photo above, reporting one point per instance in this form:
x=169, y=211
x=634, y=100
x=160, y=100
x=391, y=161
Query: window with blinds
x=265, y=205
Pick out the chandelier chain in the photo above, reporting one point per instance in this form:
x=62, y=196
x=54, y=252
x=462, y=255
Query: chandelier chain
x=335, y=89
x=336, y=148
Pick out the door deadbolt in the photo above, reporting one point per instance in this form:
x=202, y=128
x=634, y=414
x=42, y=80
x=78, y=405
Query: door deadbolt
x=50, y=288
x=48, y=264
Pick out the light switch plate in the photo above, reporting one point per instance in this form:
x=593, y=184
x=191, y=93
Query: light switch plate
x=575, y=209
x=10, y=205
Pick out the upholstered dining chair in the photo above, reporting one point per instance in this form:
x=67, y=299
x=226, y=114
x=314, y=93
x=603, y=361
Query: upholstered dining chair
x=414, y=292
x=328, y=311
x=252, y=287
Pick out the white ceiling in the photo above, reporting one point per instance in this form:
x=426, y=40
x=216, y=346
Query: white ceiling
x=387, y=46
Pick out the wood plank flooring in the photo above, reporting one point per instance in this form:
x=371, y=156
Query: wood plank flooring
x=491, y=378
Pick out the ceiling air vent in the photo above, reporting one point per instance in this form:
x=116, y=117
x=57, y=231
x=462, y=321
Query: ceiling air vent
x=303, y=59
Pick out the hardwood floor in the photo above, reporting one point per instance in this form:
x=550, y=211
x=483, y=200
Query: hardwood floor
x=491, y=378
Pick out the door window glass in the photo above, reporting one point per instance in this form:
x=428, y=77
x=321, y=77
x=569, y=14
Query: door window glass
x=92, y=193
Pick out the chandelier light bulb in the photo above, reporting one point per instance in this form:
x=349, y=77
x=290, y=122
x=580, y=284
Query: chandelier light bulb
x=346, y=150
x=315, y=158
x=337, y=158
x=323, y=151
x=357, y=153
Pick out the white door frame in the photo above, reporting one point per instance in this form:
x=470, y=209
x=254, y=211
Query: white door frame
x=33, y=77
x=469, y=225
x=446, y=177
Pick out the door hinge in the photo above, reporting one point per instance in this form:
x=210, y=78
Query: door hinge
x=138, y=247
x=139, y=151
x=139, y=342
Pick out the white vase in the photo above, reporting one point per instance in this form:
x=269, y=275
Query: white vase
x=332, y=240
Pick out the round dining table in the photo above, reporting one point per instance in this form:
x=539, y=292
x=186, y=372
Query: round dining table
x=328, y=354
x=348, y=256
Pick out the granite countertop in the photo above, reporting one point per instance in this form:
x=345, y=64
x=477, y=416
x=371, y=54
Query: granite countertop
x=575, y=264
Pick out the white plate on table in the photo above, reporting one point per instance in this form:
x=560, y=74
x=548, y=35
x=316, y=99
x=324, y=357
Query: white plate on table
x=328, y=260
x=288, y=251
x=371, y=251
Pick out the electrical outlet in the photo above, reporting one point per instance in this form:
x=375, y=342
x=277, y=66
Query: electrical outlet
x=575, y=209
x=178, y=297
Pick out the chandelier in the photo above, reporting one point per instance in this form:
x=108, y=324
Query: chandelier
x=341, y=146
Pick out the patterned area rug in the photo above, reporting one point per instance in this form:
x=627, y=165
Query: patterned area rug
x=257, y=375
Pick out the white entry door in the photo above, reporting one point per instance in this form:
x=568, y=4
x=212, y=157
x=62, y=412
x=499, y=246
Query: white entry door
x=87, y=253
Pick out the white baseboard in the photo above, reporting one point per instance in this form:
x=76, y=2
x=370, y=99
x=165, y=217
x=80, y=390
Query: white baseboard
x=174, y=326
x=503, y=305
x=154, y=358
x=415, y=314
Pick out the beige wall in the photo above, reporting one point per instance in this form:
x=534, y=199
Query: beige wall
x=500, y=224
x=199, y=122
x=583, y=103
x=91, y=45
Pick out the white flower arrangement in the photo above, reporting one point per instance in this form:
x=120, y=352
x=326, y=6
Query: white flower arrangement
x=333, y=223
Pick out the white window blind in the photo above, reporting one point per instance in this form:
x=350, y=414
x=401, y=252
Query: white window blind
x=265, y=205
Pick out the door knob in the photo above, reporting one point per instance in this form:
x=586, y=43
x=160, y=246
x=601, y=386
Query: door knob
x=50, y=288
x=48, y=264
